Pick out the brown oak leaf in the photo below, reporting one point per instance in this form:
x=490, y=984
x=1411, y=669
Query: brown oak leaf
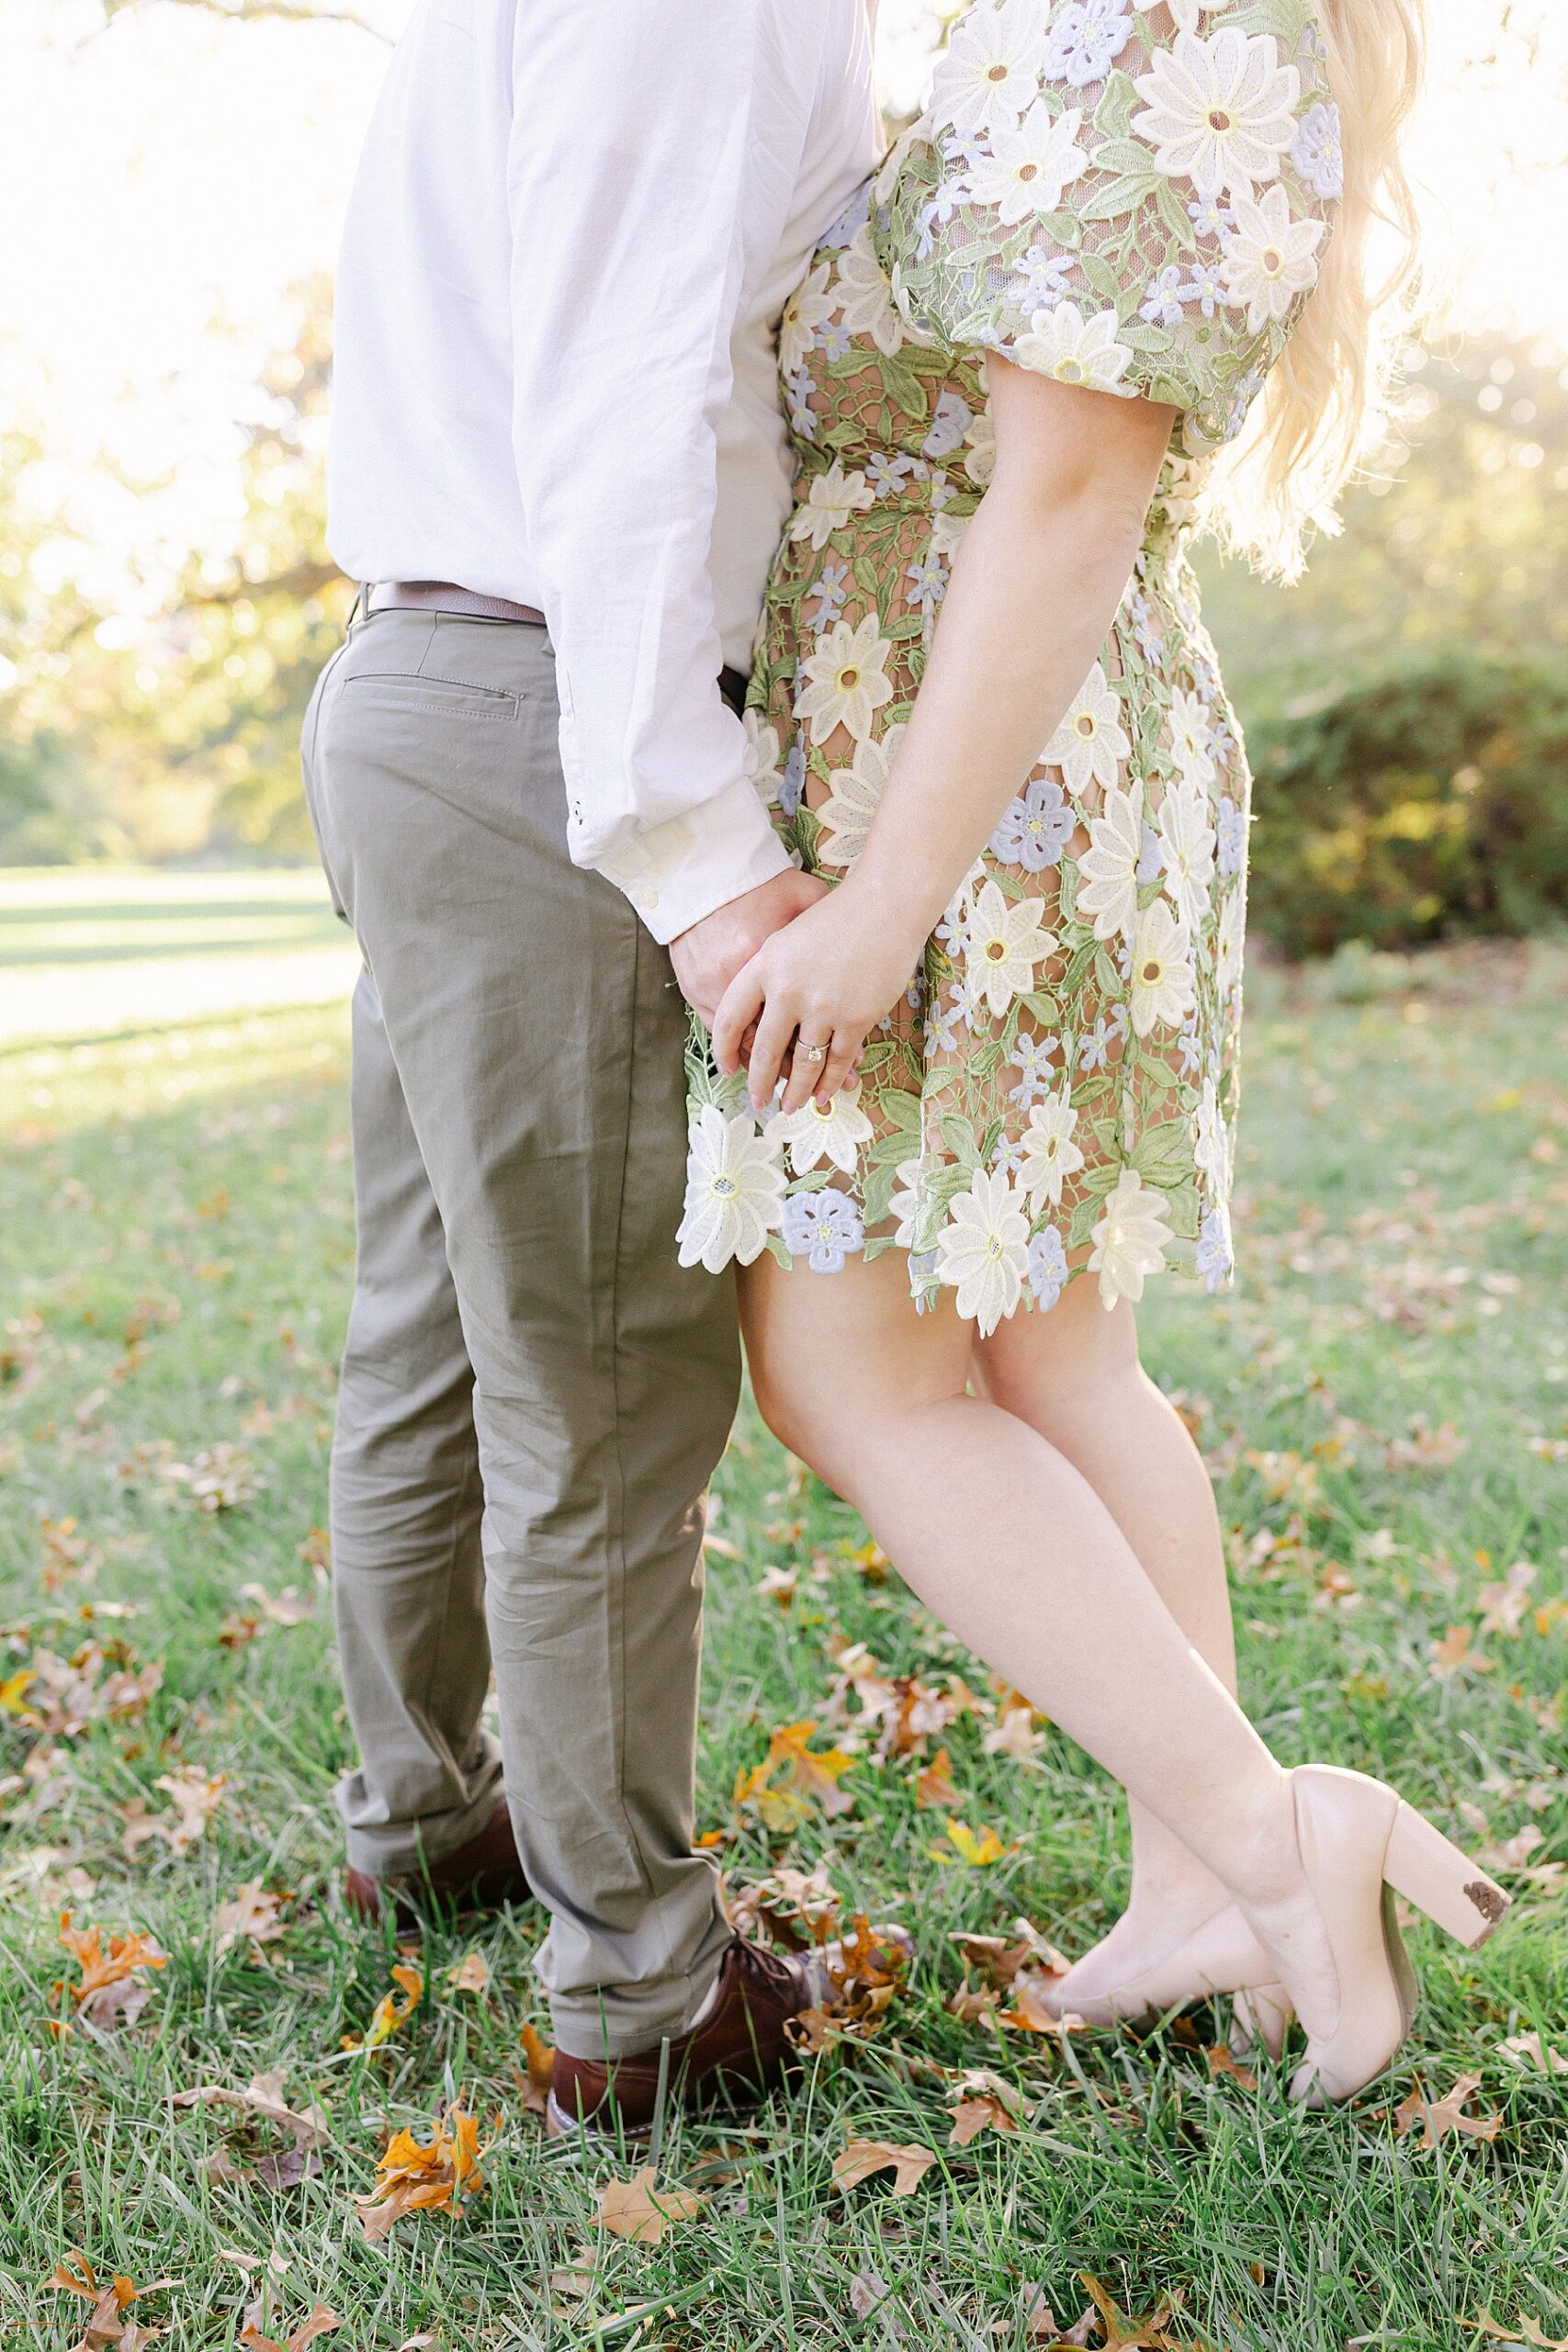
x=1439, y=2117
x=863, y=2159
x=634, y=2209
x=316, y=2321
x=985, y=2102
x=1223, y=2062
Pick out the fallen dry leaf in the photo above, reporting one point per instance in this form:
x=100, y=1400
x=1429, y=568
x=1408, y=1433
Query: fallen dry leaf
x=221, y=1477
x=797, y=1908
x=423, y=2176
x=1122, y=2333
x=1030, y=2012
x=1222, y=2062
x=253, y=1913
x=867, y=2289
x=96, y=1684
x=999, y=1962
x=196, y=1797
x=978, y=1848
x=791, y=1778
x=109, y=1991
x=865, y=1971
x=1439, y=2117
x=108, y=2329
x=1523, y=2331
x=289, y=1607
x=1453, y=1651
x=985, y=2102
x=263, y=2099
x=1512, y=1853
x=541, y=2060
x=1425, y=1448
x=633, y=2209
x=576, y=2280
x=1039, y=2319
x=318, y=2321
x=1016, y=1735
x=1527, y=2049
x=973, y=2005
x=390, y=2012
x=470, y=1975
x=863, y=2159
x=934, y=1783
x=1503, y=1606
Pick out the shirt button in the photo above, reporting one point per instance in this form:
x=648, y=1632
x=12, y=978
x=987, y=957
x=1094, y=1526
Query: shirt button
x=647, y=897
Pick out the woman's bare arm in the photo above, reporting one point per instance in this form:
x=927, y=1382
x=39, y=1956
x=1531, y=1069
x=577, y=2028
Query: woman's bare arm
x=1035, y=586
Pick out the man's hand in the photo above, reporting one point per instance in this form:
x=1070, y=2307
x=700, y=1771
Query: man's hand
x=708, y=956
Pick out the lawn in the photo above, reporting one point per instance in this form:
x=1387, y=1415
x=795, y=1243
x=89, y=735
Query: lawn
x=1383, y=1404
x=107, y=948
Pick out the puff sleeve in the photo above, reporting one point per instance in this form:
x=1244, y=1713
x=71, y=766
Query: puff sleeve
x=1134, y=199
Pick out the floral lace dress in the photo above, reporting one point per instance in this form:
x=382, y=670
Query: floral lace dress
x=1137, y=201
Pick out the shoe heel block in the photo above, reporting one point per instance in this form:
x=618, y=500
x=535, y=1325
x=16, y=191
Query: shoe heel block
x=1432, y=1872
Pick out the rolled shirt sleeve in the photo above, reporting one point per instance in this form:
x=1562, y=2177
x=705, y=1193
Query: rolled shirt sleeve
x=627, y=165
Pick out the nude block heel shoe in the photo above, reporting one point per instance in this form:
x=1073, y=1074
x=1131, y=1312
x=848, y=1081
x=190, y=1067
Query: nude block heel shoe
x=1431, y=1871
x=1220, y=1956
x=1358, y=1840
x=1261, y=2015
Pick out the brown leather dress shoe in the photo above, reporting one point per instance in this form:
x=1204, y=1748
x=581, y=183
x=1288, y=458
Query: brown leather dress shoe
x=479, y=1876
x=740, y=2048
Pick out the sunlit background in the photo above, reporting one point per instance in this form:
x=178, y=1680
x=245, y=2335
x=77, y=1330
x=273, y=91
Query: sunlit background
x=172, y=173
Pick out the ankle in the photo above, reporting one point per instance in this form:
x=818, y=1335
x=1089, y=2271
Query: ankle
x=1263, y=1865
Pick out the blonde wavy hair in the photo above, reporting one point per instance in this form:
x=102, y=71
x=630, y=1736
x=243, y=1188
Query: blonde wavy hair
x=1325, y=399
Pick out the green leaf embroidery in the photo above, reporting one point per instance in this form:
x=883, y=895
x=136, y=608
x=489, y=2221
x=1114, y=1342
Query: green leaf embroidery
x=1123, y=195
x=959, y=1138
x=1118, y=105
x=1163, y=1153
x=1106, y=975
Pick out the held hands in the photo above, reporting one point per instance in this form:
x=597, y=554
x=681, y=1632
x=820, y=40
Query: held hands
x=706, y=958
x=830, y=976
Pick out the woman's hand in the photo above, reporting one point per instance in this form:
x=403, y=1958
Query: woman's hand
x=830, y=976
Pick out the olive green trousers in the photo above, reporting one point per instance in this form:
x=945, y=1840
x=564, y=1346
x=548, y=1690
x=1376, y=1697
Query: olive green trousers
x=533, y=1392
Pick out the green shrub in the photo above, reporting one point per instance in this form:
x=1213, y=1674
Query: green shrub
x=1428, y=804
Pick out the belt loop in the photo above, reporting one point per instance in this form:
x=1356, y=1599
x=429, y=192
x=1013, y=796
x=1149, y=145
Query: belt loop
x=361, y=596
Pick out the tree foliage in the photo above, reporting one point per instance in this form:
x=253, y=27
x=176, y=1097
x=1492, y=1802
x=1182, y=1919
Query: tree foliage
x=182, y=737
x=1429, y=802
x=1458, y=535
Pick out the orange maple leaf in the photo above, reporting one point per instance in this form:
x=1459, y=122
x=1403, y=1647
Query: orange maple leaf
x=390, y=2012
x=425, y=2175
x=108, y=1989
x=791, y=1777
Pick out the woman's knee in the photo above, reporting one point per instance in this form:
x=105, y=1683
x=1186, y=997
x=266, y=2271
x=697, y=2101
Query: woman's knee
x=1059, y=1360
x=785, y=1408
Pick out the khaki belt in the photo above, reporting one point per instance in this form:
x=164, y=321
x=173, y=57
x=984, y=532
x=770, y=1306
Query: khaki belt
x=443, y=596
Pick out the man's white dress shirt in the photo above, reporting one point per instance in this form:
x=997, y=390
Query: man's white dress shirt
x=573, y=231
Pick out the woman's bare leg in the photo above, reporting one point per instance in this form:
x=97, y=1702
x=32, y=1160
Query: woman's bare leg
x=999, y=1533
x=1074, y=1375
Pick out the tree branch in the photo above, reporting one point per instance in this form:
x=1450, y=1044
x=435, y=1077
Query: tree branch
x=251, y=12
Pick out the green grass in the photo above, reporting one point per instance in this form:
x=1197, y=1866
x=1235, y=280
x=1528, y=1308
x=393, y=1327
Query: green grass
x=177, y=1243
x=108, y=949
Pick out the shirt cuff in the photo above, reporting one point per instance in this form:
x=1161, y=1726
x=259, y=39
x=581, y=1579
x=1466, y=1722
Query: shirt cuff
x=676, y=873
